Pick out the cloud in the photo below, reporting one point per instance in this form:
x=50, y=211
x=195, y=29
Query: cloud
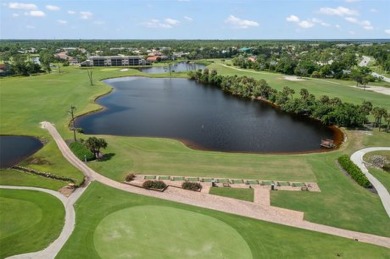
x=99, y=22
x=62, y=21
x=315, y=20
x=22, y=6
x=30, y=27
x=373, y=10
x=15, y=15
x=165, y=24
x=240, y=23
x=34, y=13
x=339, y=11
x=305, y=24
x=171, y=21
x=365, y=24
x=188, y=18
x=352, y=1
x=387, y=31
x=292, y=18
x=85, y=15
x=71, y=12
x=338, y=26
x=52, y=7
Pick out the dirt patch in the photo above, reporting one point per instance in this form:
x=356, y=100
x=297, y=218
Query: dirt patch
x=293, y=78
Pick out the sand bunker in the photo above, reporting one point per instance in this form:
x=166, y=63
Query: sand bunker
x=293, y=78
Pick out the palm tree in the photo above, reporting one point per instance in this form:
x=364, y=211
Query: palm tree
x=378, y=113
x=71, y=112
x=94, y=144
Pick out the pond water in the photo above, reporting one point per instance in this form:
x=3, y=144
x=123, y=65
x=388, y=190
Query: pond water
x=14, y=149
x=177, y=67
x=201, y=116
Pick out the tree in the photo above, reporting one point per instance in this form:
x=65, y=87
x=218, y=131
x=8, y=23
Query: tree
x=378, y=113
x=94, y=144
x=71, y=112
x=90, y=76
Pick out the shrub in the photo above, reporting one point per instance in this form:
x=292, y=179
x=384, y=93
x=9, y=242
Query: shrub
x=130, y=177
x=81, y=151
x=354, y=171
x=154, y=185
x=191, y=186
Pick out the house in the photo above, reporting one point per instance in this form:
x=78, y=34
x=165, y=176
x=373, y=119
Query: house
x=153, y=59
x=100, y=61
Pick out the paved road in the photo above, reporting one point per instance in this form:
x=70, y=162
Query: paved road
x=258, y=210
x=364, y=62
x=357, y=158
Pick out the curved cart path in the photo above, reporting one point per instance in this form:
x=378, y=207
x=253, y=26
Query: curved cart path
x=258, y=210
x=383, y=193
x=70, y=218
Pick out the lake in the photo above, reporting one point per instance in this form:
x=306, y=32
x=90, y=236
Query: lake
x=14, y=149
x=201, y=116
x=177, y=67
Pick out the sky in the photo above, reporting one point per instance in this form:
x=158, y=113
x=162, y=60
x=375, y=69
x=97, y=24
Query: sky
x=195, y=19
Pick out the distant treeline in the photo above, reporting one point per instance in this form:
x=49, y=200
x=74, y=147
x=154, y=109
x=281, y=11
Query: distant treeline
x=330, y=111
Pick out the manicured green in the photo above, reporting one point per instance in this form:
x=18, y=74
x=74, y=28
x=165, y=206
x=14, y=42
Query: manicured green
x=265, y=240
x=245, y=194
x=13, y=177
x=30, y=221
x=176, y=233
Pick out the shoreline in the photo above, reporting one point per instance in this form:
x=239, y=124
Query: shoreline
x=338, y=134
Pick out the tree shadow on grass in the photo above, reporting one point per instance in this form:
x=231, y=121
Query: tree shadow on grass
x=106, y=157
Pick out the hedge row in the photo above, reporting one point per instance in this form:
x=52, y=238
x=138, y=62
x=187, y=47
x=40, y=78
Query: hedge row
x=159, y=185
x=45, y=174
x=191, y=186
x=354, y=171
x=81, y=151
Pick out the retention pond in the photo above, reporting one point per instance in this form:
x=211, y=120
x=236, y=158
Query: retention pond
x=201, y=116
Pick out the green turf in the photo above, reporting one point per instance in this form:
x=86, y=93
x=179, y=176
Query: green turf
x=382, y=176
x=265, y=240
x=252, y=182
x=164, y=177
x=13, y=177
x=283, y=183
x=30, y=221
x=177, y=178
x=245, y=194
x=222, y=180
x=175, y=233
x=236, y=181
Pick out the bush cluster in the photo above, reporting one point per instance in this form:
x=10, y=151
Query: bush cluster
x=191, y=186
x=130, y=177
x=81, y=151
x=45, y=174
x=149, y=184
x=354, y=171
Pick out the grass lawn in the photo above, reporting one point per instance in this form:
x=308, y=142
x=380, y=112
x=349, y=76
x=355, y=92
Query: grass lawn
x=382, y=176
x=245, y=194
x=175, y=233
x=343, y=89
x=30, y=221
x=265, y=240
x=13, y=177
